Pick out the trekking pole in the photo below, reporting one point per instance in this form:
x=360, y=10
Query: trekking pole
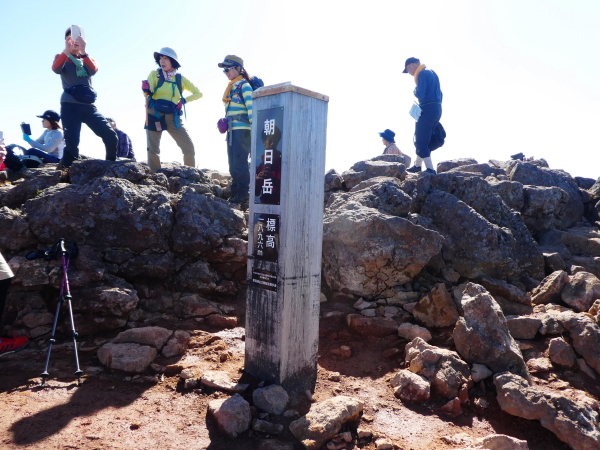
x=64, y=293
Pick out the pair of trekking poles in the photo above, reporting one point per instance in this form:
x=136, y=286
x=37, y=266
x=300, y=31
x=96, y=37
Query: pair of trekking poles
x=67, y=252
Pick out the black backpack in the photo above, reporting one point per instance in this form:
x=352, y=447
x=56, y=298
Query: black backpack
x=437, y=137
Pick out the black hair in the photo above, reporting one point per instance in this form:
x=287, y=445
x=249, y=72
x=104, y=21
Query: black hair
x=54, y=125
x=68, y=32
x=174, y=63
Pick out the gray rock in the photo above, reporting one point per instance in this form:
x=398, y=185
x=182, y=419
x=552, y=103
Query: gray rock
x=505, y=290
x=554, y=262
x=436, y=309
x=445, y=166
x=325, y=419
x=127, y=357
x=366, y=252
x=447, y=372
x=480, y=372
x=108, y=212
x=543, y=207
x=202, y=222
x=16, y=234
x=529, y=174
x=581, y=291
x=153, y=336
x=573, y=422
x=232, y=415
x=410, y=331
x=263, y=426
x=365, y=170
x=177, y=344
x=220, y=380
x=271, y=399
x=585, y=335
x=410, y=387
x=550, y=288
x=561, y=353
x=482, y=335
x=523, y=327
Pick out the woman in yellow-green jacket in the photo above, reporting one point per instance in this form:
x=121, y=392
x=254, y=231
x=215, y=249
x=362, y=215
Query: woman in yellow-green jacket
x=164, y=104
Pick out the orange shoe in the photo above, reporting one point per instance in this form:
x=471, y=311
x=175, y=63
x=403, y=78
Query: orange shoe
x=13, y=345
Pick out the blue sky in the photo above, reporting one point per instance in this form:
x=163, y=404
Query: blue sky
x=517, y=76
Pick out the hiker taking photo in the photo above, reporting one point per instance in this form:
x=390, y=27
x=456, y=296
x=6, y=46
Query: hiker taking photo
x=50, y=145
x=76, y=70
x=164, y=107
x=238, y=112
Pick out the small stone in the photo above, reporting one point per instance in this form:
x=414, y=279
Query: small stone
x=452, y=408
x=362, y=304
x=334, y=376
x=363, y=433
x=480, y=372
x=187, y=374
x=384, y=444
x=190, y=383
x=368, y=312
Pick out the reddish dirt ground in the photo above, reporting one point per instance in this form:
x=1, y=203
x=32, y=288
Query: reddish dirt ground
x=112, y=411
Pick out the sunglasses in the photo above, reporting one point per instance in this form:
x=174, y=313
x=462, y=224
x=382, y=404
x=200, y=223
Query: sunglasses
x=227, y=69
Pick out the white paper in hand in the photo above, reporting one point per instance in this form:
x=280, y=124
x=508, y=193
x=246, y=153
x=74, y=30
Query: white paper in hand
x=76, y=31
x=415, y=111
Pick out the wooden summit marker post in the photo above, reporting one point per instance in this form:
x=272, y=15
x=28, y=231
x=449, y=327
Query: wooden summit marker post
x=285, y=233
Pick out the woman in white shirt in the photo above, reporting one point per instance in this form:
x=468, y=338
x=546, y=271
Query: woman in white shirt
x=49, y=146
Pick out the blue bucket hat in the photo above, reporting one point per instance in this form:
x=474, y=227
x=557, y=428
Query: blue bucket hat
x=388, y=135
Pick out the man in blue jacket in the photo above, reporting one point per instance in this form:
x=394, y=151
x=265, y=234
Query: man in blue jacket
x=429, y=95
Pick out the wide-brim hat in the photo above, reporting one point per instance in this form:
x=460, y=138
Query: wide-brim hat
x=388, y=135
x=50, y=115
x=166, y=51
x=231, y=61
x=410, y=61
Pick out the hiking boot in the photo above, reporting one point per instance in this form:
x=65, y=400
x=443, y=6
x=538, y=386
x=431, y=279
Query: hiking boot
x=414, y=169
x=13, y=345
x=431, y=171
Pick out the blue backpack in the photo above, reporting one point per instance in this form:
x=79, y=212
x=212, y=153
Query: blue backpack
x=254, y=83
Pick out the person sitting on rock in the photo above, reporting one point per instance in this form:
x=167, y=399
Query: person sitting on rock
x=16, y=343
x=49, y=146
x=387, y=137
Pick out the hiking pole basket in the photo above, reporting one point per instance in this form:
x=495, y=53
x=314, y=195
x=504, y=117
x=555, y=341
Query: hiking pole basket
x=66, y=254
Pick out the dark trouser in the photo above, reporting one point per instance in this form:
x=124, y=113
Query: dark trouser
x=4, y=284
x=45, y=157
x=430, y=116
x=237, y=153
x=72, y=116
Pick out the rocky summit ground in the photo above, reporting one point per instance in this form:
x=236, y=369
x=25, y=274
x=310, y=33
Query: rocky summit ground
x=113, y=411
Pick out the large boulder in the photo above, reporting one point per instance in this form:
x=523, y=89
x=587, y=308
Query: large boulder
x=366, y=252
x=573, y=421
x=482, y=336
x=202, y=222
x=532, y=175
x=581, y=291
x=106, y=212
